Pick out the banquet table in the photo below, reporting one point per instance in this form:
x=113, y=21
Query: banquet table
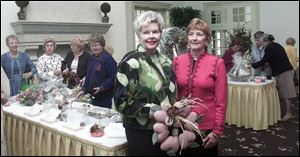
x=253, y=105
x=27, y=135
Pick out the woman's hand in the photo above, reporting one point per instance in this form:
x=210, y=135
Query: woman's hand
x=80, y=94
x=65, y=72
x=210, y=140
x=57, y=72
x=97, y=90
x=27, y=75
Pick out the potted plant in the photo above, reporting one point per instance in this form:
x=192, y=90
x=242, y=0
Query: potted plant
x=175, y=36
x=181, y=16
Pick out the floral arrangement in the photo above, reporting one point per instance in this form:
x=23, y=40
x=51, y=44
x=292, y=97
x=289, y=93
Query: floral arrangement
x=175, y=117
x=30, y=96
x=72, y=80
x=241, y=32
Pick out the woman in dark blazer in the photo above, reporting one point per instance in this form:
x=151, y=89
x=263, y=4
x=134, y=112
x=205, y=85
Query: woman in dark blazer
x=101, y=73
x=282, y=70
x=76, y=61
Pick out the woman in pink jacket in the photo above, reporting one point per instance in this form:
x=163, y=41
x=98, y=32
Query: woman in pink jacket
x=203, y=76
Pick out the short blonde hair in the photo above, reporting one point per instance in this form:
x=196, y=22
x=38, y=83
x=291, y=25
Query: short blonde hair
x=97, y=38
x=49, y=40
x=146, y=18
x=290, y=41
x=79, y=42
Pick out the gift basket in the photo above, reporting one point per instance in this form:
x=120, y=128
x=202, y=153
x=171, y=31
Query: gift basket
x=240, y=71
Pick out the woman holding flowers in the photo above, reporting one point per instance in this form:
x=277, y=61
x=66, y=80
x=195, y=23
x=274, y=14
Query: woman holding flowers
x=202, y=75
x=144, y=81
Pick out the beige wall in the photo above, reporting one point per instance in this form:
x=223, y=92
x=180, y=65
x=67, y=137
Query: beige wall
x=8, y=14
x=279, y=18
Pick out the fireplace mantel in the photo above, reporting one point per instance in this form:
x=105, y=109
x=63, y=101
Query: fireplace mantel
x=32, y=34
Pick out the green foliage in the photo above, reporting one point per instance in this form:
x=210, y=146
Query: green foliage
x=244, y=34
x=181, y=16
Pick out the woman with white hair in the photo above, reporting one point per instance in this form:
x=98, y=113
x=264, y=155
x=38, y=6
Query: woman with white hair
x=143, y=80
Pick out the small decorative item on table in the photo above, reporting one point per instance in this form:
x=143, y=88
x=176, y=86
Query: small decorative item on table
x=260, y=79
x=87, y=98
x=96, y=130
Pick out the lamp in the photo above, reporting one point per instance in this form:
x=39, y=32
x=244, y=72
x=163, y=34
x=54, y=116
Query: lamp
x=105, y=8
x=22, y=14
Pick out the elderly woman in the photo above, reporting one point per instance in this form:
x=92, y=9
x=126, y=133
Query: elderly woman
x=15, y=64
x=202, y=75
x=282, y=70
x=49, y=64
x=143, y=80
x=76, y=61
x=101, y=73
x=258, y=52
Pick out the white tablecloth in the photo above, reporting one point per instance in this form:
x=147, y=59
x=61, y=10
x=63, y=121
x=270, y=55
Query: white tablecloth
x=15, y=115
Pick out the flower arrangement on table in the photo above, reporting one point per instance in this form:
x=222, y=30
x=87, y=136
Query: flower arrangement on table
x=174, y=117
x=30, y=96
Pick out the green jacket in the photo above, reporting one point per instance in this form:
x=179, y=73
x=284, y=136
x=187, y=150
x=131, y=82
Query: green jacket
x=141, y=88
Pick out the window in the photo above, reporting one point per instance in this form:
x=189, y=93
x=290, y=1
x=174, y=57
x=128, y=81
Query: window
x=219, y=42
x=215, y=17
x=231, y=14
x=241, y=14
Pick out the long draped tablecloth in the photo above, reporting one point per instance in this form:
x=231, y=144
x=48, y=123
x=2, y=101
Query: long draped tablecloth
x=253, y=105
x=29, y=136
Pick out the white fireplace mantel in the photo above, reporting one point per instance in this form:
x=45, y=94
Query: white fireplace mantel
x=32, y=34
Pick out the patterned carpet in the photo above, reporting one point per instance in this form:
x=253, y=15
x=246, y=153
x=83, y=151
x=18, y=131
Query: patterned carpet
x=281, y=139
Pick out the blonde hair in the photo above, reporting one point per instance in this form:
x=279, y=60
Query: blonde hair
x=79, y=42
x=49, y=40
x=146, y=18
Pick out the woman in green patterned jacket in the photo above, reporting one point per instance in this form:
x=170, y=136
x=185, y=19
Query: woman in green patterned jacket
x=144, y=81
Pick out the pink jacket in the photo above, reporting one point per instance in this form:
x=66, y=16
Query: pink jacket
x=208, y=82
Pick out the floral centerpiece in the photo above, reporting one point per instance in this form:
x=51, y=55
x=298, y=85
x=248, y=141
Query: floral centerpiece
x=171, y=119
x=30, y=96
